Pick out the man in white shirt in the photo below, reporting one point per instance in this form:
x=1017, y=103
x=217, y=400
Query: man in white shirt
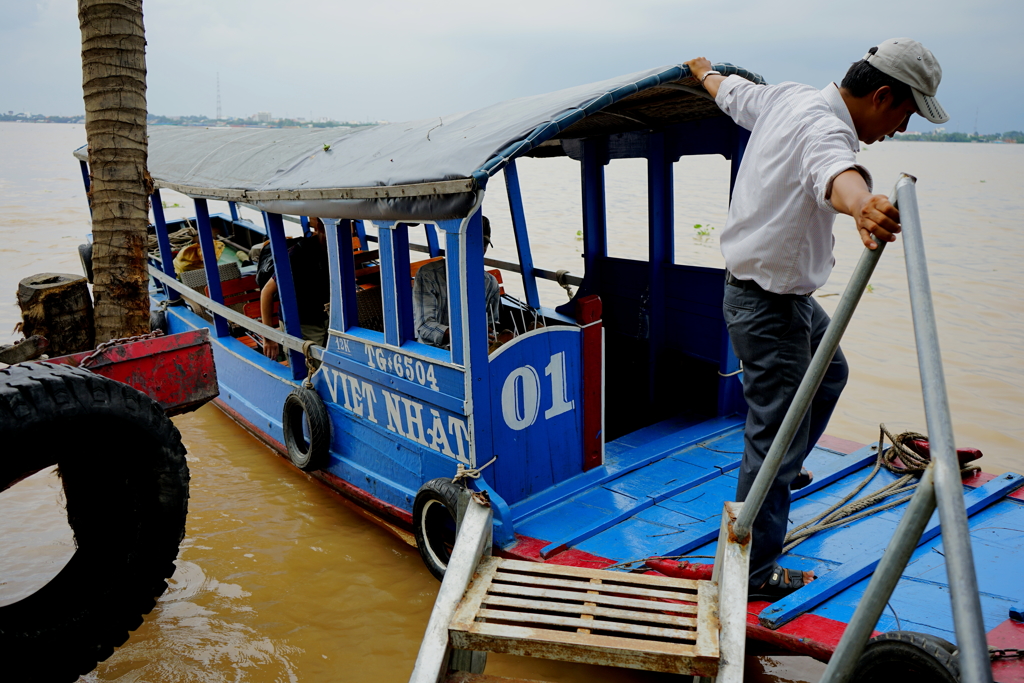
x=799, y=170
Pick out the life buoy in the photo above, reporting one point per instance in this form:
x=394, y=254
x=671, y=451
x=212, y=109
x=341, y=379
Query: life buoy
x=908, y=657
x=125, y=480
x=434, y=515
x=307, y=430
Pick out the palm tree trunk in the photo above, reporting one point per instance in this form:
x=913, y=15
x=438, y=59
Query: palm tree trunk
x=114, y=86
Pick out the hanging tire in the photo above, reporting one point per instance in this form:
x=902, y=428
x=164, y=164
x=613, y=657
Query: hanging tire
x=307, y=430
x=434, y=515
x=907, y=657
x=85, y=256
x=122, y=467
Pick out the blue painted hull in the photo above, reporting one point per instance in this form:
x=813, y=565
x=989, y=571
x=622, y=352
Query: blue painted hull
x=660, y=493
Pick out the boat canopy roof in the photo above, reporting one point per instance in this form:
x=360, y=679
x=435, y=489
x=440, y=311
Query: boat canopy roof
x=420, y=170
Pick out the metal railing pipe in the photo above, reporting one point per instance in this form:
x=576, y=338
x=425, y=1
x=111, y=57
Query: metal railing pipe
x=975, y=666
x=805, y=392
x=883, y=582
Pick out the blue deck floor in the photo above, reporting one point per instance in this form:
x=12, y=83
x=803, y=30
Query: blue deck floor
x=661, y=493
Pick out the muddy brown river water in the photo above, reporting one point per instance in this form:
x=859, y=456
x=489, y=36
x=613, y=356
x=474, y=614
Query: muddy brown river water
x=280, y=579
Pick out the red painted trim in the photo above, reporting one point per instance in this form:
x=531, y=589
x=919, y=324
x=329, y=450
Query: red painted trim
x=177, y=371
x=337, y=484
x=1009, y=634
x=588, y=314
x=834, y=443
x=979, y=478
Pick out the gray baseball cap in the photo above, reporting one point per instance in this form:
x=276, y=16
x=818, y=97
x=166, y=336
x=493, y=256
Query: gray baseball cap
x=910, y=62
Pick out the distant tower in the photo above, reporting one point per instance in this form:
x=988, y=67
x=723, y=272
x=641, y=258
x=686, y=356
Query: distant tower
x=218, y=96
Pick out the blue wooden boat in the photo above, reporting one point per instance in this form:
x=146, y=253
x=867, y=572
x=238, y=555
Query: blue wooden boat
x=608, y=430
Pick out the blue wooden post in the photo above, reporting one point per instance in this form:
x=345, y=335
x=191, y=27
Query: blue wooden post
x=453, y=256
x=304, y=222
x=210, y=263
x=361, y=232
x=432, y=243
x=595, y=240
x=233, y=208
x=88, y=183
x=661, y=247
x=162, y=238
x=475, y=324
x=515, y=202
x=344, y=309
x=266, y=223
x=396, y=282
x=285, y=289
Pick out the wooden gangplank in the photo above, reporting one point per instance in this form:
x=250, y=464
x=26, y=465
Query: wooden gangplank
x=577, y=614
x=592, y=616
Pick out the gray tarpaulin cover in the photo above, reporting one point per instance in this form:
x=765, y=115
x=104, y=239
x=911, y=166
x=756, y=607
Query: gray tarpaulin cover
x=256, y=164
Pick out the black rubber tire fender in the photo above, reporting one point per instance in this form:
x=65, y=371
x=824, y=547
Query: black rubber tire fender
x=434, y=515
x=85, y=256
x=305, y=415
x=122, y=466
x=907, y=657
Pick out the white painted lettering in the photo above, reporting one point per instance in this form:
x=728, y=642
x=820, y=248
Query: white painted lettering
x=393, y=404
x=371, y=398
x=559, y=387
x=357, y=399
x=438, y=438
x=520, y=398
x=414, y=421
x=457, y=428
x=331, y=380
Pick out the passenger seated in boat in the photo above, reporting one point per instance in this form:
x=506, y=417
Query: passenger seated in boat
x=310, y=273
x=430, y=299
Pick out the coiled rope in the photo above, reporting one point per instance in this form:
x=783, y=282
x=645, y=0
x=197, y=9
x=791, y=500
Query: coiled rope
x=900, y=459
x=179, y=239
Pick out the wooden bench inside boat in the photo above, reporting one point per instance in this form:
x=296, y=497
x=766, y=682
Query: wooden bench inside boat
x=575, y=614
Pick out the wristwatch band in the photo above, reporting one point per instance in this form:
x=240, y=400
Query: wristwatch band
x=705, y=77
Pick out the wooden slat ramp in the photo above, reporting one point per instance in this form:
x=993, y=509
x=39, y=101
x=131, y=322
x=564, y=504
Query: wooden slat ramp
x=591, y=616
x=574, y=614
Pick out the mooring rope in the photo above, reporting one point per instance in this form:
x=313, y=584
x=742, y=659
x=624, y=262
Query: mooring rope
x=463, y=472
x=911, y=465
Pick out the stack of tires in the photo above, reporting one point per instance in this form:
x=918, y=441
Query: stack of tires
x=125, y=480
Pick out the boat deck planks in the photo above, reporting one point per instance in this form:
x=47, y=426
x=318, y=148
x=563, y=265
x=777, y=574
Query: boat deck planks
x=626, y=518
x=590, y=616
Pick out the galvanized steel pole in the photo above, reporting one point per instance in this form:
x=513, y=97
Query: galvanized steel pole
x=884, y=580
x=805, y=392
x=975, y=666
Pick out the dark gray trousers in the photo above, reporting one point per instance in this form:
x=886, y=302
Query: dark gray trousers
x=775, y=336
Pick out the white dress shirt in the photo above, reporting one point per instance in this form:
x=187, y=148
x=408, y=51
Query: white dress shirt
x=779, y=230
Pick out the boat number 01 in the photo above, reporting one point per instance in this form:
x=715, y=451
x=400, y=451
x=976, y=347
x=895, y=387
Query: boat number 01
x=520, y=395
x=403, y=366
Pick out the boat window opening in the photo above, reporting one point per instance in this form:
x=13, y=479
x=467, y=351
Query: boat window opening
x=627, y=209
x=549, y=189
x=701, y=205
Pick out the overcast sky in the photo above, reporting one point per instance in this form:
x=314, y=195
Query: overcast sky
x=398, y=60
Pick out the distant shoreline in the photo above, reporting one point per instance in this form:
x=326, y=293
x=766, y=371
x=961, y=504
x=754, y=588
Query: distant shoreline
x=200, y=121
x=1010, y=137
